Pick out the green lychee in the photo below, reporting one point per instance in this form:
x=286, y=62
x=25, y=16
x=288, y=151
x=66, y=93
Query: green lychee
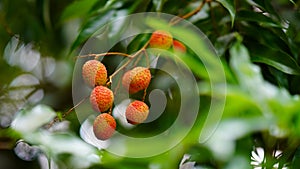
x=94, y=73
x=104, y=126
x=136, y=79
x=137, y=112
x=101, y=98
x=161, y=39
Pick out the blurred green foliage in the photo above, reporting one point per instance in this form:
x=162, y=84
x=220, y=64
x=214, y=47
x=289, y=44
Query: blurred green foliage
x=256, y=41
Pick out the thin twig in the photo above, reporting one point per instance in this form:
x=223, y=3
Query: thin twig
x=117, y=71
x=24, y=87
x=56, y=119
x=195, y=11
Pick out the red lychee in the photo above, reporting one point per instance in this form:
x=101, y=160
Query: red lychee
x=161, y=39
x=136, y=79
x=101, y=98
x=137, y=112
x=94, y=73
x=104, y=126
x=178, y=46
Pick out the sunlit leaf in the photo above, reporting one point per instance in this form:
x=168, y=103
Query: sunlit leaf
x=223, y=42
x=222, y=143
x=185, y=163
x=16, y=53
x=56, y=145
x=28, y=121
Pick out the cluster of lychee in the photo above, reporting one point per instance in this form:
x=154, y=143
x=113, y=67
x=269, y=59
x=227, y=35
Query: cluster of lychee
x=101, y=98
x=137, y=79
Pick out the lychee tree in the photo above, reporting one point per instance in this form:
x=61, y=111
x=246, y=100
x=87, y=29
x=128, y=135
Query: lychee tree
x=125, y=96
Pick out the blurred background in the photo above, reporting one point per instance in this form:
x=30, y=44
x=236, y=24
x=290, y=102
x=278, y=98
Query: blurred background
x=256, y=41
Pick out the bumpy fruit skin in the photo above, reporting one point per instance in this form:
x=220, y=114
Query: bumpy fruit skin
x=104, y=126
x=178, y=46
x=161, y=39
x=94, y=73
x=137, y=112
x=136, y=79
x=101, y=98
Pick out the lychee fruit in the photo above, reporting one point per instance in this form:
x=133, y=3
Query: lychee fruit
x=161, y=39
x=137, y=112
x=104, y=126
x=136, y=79
x=101, y=98
x=94, y=73
x=178, y=46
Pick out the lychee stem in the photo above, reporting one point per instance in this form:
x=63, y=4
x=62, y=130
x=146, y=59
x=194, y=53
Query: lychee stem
x=118, y=70
x=105, y=54
x=110, y=111
x=126, y=63
x=144, y=95
x=136, y=62
x=117, y=87
x=195, y=11
x=147, y=59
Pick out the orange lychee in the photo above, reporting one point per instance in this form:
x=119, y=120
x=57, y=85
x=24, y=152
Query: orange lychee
x=101, y=98
x=94, y=73
x=104, y=126
x=161, y=39
x=137, y=112
x=136, y=79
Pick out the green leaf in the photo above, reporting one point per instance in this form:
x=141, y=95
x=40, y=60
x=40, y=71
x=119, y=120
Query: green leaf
x=244, y=15
x=276, y=58
x=249, y=76
x=77, y=9
x=278, y=77
x=60, y=143
x=32, y=120
x=222, y=43
x=271, y=100
x=137, y=42
x=92, y=26
x=270, y=37
x=296, y=159
x=229, y=5
x=266, y=6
